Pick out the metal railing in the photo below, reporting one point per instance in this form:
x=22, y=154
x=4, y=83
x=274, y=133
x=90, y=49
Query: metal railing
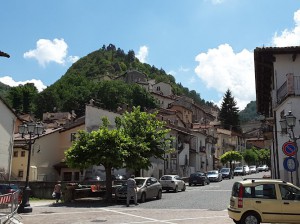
x=9, y=204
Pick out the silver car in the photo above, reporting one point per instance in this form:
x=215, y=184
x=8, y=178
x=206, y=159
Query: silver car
x=148, y=188
x=173, y=183
x=214, y=176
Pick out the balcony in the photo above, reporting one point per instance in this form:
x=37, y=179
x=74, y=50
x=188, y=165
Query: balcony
x=289, y=88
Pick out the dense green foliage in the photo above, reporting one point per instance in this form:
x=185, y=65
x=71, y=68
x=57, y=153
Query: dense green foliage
x=228, y=115
x=4, y=90
x=231, y=156
x=250, y=156
x=249, y=113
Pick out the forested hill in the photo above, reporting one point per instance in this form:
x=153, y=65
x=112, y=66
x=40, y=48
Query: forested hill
x=93, y=77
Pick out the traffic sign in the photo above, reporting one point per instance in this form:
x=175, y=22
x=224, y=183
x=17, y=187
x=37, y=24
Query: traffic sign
x=289, y=148
x=290, y=164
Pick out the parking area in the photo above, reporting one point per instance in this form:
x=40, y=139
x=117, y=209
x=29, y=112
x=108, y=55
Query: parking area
x=55, y=214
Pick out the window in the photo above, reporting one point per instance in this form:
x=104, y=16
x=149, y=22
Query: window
x=22, y=153
x=158, y=88
x=20, y=173
x=289, y=193
x=266, y=191
x=15, y=153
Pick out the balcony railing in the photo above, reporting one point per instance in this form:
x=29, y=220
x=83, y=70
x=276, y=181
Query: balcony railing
x=290, y=87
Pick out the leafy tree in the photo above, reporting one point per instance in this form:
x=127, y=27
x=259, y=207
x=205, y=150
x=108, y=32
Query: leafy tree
x=148, y=135
x=231, y=156
x=264, y=156
x=250, y=156
x=229, y=116
x=103, y=146
x=22, y=97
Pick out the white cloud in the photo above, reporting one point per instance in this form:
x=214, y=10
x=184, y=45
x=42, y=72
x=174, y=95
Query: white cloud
x=50, y=51
x=142, y=54
x=221, y=69
x=10, y=82
x=289, y=37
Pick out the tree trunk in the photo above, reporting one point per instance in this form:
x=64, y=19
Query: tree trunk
x=108, y=195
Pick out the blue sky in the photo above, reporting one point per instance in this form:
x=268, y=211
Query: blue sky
x=207, y=45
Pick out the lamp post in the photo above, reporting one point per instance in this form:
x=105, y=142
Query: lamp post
x=289, y=122
x=29, y=131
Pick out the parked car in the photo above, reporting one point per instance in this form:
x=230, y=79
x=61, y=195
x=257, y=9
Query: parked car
x=261, y=168
x=246, y=169
x=253, y=169
x=172, y=182
x=198, y=178
x=227, y=173
x=214, y=176
x=9, y=188
x=264, y=200
x=148, y=188
x=239, y=171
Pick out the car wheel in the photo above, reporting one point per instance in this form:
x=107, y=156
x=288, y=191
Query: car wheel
x=176, y=189
x=184, y=187
x=143, y=197
x=250, y=218
x=190, y=184
x=159, y=194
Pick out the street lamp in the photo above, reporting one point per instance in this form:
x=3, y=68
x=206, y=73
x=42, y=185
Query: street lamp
x=289, y=122
x=29, y=131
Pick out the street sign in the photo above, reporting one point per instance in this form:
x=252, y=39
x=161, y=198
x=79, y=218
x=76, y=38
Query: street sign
x=289, y=148
x=290, y=164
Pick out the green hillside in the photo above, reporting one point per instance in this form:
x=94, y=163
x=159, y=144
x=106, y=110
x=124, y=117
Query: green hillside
x=93, y=77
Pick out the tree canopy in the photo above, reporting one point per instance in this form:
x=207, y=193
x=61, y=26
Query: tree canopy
x=229, y=113
x=231, y=156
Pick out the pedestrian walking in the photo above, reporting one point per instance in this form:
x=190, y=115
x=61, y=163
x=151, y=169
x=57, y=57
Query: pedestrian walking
x=57, y=191
x=131, y=190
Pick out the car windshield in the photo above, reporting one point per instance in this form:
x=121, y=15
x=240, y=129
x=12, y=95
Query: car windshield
x=223, y=170
x=212, y=172
x=140, y=182
x=166, y=178
x=197, y=174
x=238, y=168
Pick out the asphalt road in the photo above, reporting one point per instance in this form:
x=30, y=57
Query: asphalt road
x=198, y=204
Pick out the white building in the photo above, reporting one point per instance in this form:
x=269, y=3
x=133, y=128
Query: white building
x=277, y=74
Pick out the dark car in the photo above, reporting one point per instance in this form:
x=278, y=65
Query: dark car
x=198, y=178
x=11, y=188
x=227, y=173
x=8, y=188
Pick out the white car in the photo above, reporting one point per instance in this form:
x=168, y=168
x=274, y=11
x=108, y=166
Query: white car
x=262, y=168
x=147, y=188
x=214, y=176
x=172, y=182
x=253, y=169
x=246, y=169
